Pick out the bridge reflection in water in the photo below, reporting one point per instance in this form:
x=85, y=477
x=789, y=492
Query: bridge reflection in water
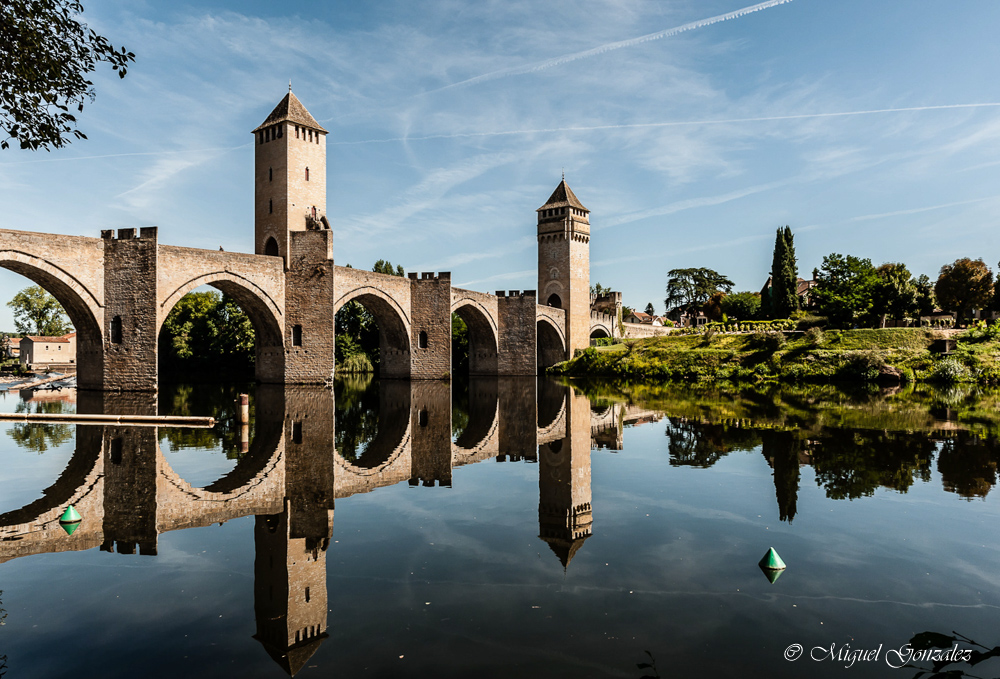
x=291, y=473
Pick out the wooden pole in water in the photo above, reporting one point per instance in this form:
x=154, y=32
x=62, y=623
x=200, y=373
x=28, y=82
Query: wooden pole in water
x=243, y=400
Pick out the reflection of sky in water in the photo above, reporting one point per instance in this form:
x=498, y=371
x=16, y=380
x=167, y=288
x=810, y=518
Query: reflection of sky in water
x=457, y=582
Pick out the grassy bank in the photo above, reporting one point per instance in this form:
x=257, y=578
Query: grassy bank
x=888, y=355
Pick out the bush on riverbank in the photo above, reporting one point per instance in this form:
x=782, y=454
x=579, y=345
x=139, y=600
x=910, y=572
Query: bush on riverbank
x=886, y=355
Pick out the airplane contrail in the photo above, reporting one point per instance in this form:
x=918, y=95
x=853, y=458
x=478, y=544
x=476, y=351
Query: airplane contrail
x=601, y=49
x=670, y=123
x=58, y=159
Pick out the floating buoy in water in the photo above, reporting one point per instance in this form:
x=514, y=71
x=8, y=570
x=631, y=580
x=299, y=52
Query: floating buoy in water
x=70, y=520
x=772, y=561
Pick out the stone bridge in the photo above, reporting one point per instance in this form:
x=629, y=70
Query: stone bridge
x=118, y=289
x=122, y=483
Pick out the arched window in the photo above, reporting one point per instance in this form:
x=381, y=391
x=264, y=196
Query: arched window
x=307, y=174
x=271, y=247
x=554, y=301
x=422, y=341
x=116, y=330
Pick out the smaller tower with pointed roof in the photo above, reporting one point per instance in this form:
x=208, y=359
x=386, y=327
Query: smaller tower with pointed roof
x=289, y=176
x=564, y=262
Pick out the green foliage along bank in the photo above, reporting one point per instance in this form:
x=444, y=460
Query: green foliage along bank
x=208, y=335
x=891, y=355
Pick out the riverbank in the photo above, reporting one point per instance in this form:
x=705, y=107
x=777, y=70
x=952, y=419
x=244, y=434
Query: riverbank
x=888, y=356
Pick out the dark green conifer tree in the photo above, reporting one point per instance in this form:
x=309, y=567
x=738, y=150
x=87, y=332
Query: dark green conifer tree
x=784, y=297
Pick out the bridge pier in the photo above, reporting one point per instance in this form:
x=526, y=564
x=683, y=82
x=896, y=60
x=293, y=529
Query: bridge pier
x=518, y=333
x=130, y=302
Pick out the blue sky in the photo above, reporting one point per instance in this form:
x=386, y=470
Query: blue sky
x=450, y=122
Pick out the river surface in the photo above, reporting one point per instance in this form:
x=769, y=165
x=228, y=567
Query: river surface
x=502, y=528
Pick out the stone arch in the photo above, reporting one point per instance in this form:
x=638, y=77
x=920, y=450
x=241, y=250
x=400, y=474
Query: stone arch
x=85, y=311
x=554, y=301
x=481, y=434
x=393, y=328
x=551, y=343
x=599, y=331
x=264, y=313
x=483, y=336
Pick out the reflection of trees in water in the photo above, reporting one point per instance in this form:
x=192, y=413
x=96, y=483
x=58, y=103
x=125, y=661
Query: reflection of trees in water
x=933, y=655
x=39, y=437
x=853, y=463
x=700, y=444
x=357, y=411
x=459, y=406
x=782, y=451
x=968, y=465
x=215, y=400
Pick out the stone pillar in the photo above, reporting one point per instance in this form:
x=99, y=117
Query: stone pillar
x=309, y=319
x=518, y=433
x=130, y=503
x=130, y=302
x=309, y=443
x=518, y=332
x=430, y=326
x=430, y=449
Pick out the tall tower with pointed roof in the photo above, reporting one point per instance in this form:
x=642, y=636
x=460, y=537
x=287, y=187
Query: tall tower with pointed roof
x=289, y=176
x=564, y=262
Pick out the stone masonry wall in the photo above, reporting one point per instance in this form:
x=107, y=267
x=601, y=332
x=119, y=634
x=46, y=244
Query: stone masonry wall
x=430, y=330
x=130, y=263
x=430, y=451
x=518, y=332
x=309, y=300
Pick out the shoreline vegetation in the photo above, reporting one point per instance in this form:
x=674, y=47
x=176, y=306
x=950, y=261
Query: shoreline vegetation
x=887, y=356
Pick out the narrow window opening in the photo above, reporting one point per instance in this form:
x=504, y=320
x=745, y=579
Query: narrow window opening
x=423, y=340
x=422, y=418
x=310, y=135
x=307, y=174
x=116, y=330
x=307, y=595
x=296, y=131
x=297, y=432
x=116, y=451
x=270, y=174
x=281, y=131
x=270, y=206
x=296, y=335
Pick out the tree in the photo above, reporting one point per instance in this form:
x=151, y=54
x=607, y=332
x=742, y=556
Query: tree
x=964, y=285
x=713, y=307
x=689, y=289
x=355, y=328
x=742, y=306
x=46, y=53
x=650, y=310
x=784, y=292
x=36, y=312
x=599, y=290
x=844, y=289
x=924, y=301
x=207, y=331
x=895, y=293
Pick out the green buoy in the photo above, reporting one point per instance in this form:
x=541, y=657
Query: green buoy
x=772, y=561
x=771, y=574
x=70, y=520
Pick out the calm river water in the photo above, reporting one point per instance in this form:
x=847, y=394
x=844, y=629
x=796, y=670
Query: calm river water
x=502, y=528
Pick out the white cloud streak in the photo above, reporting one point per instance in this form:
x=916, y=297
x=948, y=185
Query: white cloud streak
x=672, y=123
x=611, y=46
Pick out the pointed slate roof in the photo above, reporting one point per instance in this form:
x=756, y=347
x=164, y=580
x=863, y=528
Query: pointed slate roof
x=292, y=110
x=563, y=196
x=565, y=549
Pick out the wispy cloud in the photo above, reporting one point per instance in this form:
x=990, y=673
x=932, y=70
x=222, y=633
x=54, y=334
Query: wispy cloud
x=670, y=123
x=917, y=210
x=611, y=46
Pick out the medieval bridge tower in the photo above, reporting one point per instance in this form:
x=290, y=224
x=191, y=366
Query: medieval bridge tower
x=564, y=262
